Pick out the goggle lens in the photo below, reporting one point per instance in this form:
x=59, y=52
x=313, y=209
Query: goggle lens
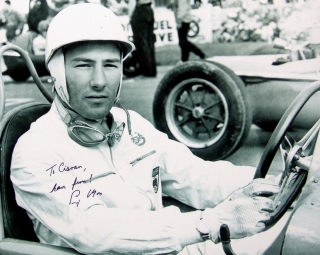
x=87, y=134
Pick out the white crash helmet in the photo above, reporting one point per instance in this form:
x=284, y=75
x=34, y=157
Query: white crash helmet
x=81, y=22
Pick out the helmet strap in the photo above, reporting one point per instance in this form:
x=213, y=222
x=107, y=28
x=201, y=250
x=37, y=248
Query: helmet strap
x=117, y=99
x=57, y=69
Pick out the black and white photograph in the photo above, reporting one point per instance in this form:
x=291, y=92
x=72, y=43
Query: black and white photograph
x=138, y=127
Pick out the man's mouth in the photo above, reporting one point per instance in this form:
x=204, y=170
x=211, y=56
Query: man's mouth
x=97, y=98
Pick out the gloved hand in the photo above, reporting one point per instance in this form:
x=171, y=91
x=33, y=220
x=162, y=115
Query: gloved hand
x=244, y=211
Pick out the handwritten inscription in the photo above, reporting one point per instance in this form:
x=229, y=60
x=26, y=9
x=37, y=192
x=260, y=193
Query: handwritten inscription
x=56, y=188
x=76, y=182
x=51, y=169
x=63, y=168
x=75, y=185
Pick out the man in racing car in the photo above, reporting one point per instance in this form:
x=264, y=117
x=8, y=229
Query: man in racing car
x=91, y=175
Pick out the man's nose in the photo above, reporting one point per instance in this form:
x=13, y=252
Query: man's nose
x=98, y=79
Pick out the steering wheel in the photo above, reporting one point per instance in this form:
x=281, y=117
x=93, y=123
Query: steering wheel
x=296, y=155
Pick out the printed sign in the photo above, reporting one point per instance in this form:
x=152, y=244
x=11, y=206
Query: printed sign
x=165, y=26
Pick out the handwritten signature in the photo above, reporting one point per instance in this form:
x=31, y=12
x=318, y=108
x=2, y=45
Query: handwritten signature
x=63, y=168
x=75, y=194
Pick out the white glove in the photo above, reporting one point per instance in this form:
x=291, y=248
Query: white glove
x=244, y=211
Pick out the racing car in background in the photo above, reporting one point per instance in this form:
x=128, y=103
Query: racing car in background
x=210, y=105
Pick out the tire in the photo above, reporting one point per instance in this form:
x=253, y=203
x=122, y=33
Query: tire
x=190, y=120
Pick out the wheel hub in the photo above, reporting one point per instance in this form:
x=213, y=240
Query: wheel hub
x=193, y=111
x=198, y=112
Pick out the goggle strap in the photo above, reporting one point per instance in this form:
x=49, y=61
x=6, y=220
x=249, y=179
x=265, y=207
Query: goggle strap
x=65, y=115
x=128, y=117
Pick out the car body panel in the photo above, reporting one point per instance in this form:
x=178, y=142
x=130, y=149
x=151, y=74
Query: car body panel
x=260, y=66
x=270, y=100
x=303, y=233
x=272, y=88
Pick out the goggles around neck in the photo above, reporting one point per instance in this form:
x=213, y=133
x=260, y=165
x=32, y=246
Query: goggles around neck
x=90, y=133
x=87, y=132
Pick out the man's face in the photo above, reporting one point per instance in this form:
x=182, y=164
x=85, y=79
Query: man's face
x=93, y=73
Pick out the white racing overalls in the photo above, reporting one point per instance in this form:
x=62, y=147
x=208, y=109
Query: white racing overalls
x=104, y=200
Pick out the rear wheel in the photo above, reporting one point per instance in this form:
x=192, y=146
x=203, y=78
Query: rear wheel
x=203, y=105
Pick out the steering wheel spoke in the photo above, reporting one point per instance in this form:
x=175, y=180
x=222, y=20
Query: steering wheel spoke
x=288, y=142
x=285, y=147
x=309, y=136
x=295, y=154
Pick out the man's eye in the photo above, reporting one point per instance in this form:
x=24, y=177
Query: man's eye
x=110, y=65
x=82, y=65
